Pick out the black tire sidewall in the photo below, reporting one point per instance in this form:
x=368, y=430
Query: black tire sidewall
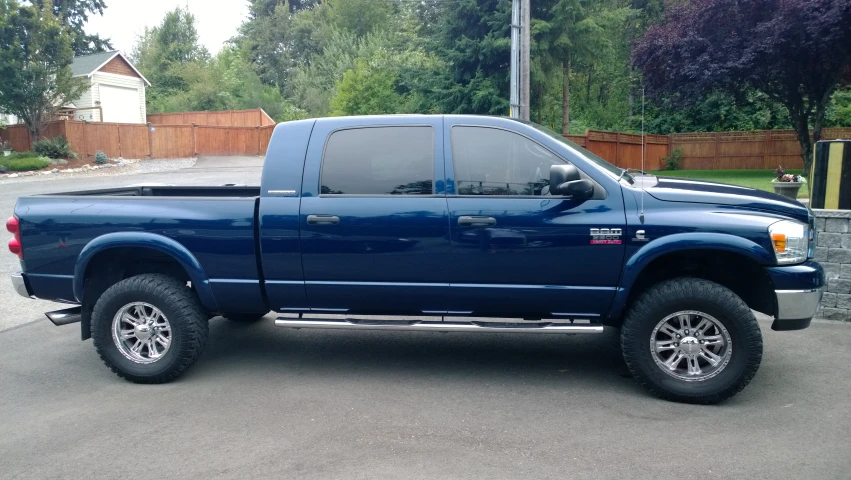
x=730, y=311
x=113, y=300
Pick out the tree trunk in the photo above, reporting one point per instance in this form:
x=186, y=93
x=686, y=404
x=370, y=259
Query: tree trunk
x=565, y=99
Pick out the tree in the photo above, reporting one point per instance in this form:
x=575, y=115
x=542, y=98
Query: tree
x=797, y=52
x=74, y=14
x=366, y=90
x=35, y=65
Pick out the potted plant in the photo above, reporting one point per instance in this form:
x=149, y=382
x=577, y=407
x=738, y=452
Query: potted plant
x=5, y=147
x=787, y=184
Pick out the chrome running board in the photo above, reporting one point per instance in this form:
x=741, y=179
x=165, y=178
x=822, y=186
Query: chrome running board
x=435, y=326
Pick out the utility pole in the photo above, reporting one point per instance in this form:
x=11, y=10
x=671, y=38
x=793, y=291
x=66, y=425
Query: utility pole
x=525, y=100
x=515, y=59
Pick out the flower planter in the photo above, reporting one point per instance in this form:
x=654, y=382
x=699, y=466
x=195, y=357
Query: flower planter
x=787, y=189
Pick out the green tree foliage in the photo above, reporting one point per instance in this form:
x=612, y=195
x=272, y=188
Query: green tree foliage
x=35, y=64
x=74, y=14
x=366, y=90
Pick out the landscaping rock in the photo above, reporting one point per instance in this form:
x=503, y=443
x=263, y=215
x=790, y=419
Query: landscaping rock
x=28, y=174
x=58, y=161
x=55, y=170
x=13, y=175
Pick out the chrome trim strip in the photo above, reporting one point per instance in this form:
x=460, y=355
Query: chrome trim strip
x=459, y=285
x=575, y=315
x=376, y=284
x=20, y=285
x=439, y=326
x=232, y=280
x=798, y=304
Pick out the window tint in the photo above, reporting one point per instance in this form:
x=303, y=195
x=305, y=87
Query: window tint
x=489, y=161
x=379, y=161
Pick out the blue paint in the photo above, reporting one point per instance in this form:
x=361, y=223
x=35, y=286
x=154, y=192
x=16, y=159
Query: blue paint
x=248, y=252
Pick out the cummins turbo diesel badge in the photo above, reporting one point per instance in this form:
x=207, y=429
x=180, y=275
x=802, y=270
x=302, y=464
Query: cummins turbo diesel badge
x=606, y=236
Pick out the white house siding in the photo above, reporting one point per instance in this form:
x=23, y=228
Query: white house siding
x=124, y=81
x=87, y=100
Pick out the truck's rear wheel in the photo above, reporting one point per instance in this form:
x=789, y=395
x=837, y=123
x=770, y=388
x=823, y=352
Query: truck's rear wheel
x=149, y=328
x=691, y=340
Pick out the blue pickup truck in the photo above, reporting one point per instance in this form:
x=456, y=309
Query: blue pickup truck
x=468, y=223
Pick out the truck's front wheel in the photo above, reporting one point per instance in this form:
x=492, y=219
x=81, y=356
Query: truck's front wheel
x=691, y=340
x=149, y=328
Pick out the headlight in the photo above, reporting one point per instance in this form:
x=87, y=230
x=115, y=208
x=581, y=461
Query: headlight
x=790, y=240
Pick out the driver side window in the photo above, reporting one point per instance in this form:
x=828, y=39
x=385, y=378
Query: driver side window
x=490, y=161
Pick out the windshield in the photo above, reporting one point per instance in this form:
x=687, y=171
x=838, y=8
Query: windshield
x=614, y=171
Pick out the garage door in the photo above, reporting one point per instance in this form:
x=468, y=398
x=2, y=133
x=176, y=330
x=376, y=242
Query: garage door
x=119, y=104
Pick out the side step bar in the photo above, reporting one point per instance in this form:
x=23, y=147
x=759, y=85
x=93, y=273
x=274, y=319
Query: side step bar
x=434, y=326
x=65, y=317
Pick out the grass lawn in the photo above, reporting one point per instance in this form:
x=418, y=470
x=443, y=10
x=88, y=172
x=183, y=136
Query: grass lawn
x=760, y=179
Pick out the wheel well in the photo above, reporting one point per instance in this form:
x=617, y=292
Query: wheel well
x=743, y=276
x=111, y=266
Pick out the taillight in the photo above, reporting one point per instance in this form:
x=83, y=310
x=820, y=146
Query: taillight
x=14, y=227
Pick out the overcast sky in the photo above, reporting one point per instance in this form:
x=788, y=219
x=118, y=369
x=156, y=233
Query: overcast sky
x=216, y=20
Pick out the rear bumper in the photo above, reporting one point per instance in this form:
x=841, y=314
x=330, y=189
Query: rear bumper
x=19, y=283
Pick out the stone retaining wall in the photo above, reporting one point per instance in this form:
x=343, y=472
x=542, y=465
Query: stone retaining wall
x=833, y=251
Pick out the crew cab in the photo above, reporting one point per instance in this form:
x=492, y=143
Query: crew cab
x=466, y=223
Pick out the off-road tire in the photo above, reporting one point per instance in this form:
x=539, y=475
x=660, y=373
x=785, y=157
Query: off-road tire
x=187, y=318
x=681, y=294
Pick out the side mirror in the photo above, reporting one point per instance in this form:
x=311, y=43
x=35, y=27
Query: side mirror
x=566, y=181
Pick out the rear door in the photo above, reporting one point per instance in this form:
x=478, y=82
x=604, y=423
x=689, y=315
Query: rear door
x=374, y=228
x=516, y=250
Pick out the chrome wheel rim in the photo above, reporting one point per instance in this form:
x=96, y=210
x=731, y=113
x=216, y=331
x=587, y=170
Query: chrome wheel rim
x=691, y=346
x=141, y=332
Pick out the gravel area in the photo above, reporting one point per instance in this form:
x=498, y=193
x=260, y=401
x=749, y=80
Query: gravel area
x=114, y=167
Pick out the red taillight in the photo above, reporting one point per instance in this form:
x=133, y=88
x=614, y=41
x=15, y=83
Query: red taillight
x=14, y=227
x=15, y=247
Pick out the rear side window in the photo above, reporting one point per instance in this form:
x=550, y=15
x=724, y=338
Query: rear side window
x=379, y=161
x=490, y=161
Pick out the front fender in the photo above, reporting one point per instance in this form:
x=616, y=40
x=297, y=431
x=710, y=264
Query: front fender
x=146, y=240
x=682, y=242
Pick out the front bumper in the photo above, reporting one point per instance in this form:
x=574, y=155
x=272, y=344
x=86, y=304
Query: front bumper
x=796, y=308
x=19, y=283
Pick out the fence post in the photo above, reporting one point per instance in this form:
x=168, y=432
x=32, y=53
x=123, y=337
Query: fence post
x=715, y=158
x=194, y=140
x=618, y=149
x=150, y=140
x=767, y=147
x=257, y=133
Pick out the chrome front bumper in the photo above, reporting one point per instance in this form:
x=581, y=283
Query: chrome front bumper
x=19, y=283
x=795, y=308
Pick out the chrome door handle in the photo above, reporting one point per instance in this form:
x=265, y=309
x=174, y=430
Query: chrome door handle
x=475, y=221
x=323, y=220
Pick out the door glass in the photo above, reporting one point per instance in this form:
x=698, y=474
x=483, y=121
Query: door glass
x=490, y=161
x=379, y=161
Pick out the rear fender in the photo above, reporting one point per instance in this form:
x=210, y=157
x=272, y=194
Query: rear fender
x=682, y=242
x=152, y=241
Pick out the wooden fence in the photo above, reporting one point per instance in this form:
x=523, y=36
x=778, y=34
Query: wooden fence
x=758, y=149
x=152, y=141
x=227, y=118
x=701, y=151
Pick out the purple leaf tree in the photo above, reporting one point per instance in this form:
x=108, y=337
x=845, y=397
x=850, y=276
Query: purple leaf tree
x=797, y=52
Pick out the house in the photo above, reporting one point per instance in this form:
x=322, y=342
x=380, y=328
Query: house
x=117, y=92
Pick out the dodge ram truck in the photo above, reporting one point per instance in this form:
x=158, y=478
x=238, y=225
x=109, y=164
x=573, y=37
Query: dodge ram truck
x=466, y=223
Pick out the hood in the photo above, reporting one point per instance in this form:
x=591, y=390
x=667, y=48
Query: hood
x=697, y=191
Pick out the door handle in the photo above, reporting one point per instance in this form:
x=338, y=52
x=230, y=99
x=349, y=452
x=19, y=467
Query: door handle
x=323, y=220
x=475, y=221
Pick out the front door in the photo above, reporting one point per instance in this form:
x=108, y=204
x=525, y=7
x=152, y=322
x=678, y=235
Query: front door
x=517, y=251
x=375, y=236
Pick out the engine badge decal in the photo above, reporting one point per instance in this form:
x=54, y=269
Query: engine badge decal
x=606, y=236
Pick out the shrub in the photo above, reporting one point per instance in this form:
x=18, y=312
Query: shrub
x=100, y=158
x=672, y=161
x=56, y=147
x=26, y=164
x=3, y=169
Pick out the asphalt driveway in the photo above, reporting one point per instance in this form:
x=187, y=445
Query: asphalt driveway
x=273, y=403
